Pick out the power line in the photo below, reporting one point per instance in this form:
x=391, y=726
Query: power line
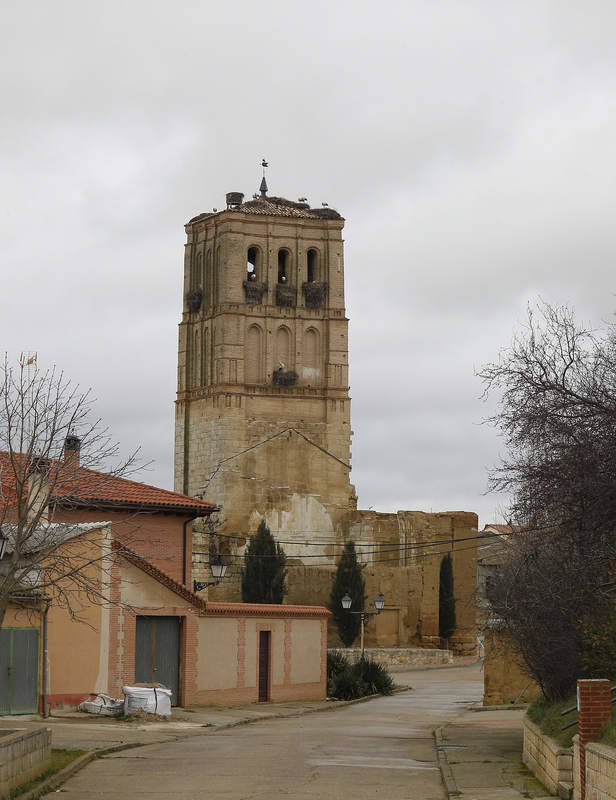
x=368, y=549
x=238, y=558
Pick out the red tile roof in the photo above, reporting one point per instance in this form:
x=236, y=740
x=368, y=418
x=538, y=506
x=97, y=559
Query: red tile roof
x=264, y=610
x=217, y=609
x=276, y=207
x=86, y=488
x=502, y=528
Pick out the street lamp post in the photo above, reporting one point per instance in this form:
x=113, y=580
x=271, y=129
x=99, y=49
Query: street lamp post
x=379, y=604
x=219, y=569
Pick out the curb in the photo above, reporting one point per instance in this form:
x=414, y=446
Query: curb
x=71, y=769
x=82, y=761
x=451, y=787
x=333, y=706
x=510, y=707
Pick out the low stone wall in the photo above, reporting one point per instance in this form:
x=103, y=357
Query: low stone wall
x=391, y=656
x=549, y=762
x=577, y=790
x=23, y=756
x=600, y=771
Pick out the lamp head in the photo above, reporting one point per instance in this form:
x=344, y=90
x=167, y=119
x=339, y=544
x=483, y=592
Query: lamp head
x=218, y=567
x=346, y=601
x=379, y=602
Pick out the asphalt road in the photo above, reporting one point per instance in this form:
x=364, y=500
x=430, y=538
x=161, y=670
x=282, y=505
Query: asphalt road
x=379, y=749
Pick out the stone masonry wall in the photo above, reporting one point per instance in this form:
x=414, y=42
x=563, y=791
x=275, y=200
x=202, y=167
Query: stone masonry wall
x=23, y=756
x=393, y=656
x=600, y=771
x=504, y=679
x=546, y=759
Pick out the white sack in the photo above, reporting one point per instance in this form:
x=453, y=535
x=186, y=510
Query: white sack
x=104, y=705
x=154, y=701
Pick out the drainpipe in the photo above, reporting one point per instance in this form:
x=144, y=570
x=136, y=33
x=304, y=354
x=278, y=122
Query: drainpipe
x=185, y=548
x=45, y=638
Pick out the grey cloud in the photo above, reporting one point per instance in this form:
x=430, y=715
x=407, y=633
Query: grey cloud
x=470, y=146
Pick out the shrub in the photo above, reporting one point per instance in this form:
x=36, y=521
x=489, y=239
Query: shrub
x=375, y=676
x=347, y=685
x=337, y=662
x=349, y=681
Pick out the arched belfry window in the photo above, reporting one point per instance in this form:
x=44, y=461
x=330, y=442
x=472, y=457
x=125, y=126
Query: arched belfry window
x=253, y=265
x=254, y=287
x=284, y=265
x=312, y=259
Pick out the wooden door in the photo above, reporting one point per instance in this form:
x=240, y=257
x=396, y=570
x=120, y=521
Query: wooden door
x=157, y=652
x=264, y=665
x=19, y=670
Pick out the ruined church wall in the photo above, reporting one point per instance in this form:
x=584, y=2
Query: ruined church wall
x=402, y=555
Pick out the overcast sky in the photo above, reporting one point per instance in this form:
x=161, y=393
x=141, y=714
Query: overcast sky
x=470, y=146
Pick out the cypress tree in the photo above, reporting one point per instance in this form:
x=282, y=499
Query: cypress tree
x=263, y=577
x=446, y=600
x=348, y=579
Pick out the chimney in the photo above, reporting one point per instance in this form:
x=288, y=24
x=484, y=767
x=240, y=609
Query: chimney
x=38, y=489
x=72, y=449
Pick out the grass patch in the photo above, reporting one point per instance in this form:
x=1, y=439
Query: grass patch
x=547, y=717
x=608, y=732
x=59, y=760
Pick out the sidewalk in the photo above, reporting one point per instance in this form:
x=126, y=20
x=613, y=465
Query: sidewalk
x=81, y=731
x=480, y=756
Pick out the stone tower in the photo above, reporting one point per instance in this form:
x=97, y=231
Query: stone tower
x=263, y=407
x=263, y=421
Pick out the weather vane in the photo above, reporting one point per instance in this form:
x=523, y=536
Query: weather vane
x=263, y=187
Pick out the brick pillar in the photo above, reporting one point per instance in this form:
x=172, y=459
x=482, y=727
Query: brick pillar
x=595, y=709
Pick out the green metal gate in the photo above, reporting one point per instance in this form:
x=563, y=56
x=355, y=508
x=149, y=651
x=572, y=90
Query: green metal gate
x=19, y=670
x=157, y=652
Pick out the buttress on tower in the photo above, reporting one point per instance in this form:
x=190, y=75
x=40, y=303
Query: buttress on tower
x=263, y=406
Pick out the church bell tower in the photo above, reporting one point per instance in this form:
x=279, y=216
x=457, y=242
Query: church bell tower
x=263, y=407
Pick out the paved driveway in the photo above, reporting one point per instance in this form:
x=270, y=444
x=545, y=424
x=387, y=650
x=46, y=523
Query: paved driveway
x=380, y=749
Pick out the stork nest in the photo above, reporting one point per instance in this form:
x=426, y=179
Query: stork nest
x=314, y=293
x=194, y=299
x=254, y=291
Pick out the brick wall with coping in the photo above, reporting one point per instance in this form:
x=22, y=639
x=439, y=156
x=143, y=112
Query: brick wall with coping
x=595, y=710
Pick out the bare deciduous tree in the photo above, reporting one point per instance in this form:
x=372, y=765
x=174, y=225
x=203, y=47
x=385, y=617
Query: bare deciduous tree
x=43, y=419
x=557, y=415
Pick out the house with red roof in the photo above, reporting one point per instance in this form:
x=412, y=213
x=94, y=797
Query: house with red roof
x=137, y=540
